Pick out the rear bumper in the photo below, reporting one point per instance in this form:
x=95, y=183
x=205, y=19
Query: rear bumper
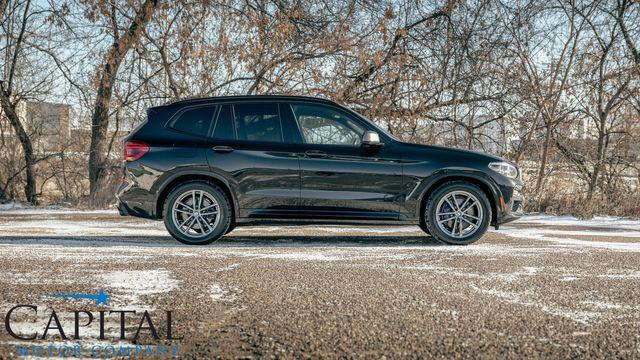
x=132, y=201
x=123, y=209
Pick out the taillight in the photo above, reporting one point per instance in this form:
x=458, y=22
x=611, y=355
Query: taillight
x=134, y=150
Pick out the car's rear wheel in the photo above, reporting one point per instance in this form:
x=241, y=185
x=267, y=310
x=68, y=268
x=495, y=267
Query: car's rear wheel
x=457, y=213
x=197, y=213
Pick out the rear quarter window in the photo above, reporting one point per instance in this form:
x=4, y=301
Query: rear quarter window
x=195, y=121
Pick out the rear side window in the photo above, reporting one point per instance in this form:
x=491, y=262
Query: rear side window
x=258, y=122
x=195, y=121
x=224, y=124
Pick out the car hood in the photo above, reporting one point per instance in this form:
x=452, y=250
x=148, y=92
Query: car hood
x=453, y=152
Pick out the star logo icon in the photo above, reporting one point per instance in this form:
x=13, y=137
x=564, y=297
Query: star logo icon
x=101, y=297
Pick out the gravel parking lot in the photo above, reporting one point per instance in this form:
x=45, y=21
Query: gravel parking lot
x=542, y=287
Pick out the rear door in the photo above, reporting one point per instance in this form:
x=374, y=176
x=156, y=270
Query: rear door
x=253, y=149
x=339, y=177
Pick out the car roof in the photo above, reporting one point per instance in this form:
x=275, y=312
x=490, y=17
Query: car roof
x=199, y=100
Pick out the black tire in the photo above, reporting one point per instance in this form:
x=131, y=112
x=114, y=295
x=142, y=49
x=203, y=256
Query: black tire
x=230, y=229
x=423, y=226
x=430, y=214
x=224, y=211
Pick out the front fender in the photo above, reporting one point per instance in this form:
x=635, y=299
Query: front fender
x=418, y=189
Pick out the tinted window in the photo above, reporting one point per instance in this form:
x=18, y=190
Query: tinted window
x=224, y=124
x=322, y=125
x=258, y=122
x=195, y=121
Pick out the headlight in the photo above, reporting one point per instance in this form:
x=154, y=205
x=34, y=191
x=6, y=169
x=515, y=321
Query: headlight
x=505, y=169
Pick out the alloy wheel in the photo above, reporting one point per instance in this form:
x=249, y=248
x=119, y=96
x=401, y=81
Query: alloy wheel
x=196, y=213
x=459, y=214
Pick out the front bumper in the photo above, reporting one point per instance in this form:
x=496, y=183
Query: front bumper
x=511, y=204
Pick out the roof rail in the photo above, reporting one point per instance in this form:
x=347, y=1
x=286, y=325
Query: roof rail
x=248, y=97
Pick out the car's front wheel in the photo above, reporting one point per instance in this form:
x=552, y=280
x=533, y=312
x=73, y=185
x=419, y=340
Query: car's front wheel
x=457, y=213
x=197, y=213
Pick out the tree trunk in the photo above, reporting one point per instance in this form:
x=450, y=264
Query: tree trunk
x=593, y=181
x=543, y=161
x=98, y=156
x=99, y=127
x=27, y=148
x=527, y=140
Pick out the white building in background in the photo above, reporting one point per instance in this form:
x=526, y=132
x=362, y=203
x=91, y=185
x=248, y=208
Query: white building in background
x=47, y=124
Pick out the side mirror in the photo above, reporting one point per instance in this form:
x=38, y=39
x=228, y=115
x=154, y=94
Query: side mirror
x=371, y=138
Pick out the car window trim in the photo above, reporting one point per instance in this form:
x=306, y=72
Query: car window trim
x=295, y=120
x=215, y=123
x=234, y=121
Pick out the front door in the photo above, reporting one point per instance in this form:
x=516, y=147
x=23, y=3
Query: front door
x=340, y=177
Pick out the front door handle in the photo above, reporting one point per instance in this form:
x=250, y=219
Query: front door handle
x=315, y=154
x=223, y=149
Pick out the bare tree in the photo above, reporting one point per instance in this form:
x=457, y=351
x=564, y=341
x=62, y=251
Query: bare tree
x=628, y=9
x=545, y=84
x=8, y=100
x=106, y=76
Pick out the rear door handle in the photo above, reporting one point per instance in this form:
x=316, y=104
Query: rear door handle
x=315, y=154
x=223, y=149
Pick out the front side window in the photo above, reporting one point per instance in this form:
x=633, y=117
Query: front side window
x=195, y=121
x=258, y=122
x=321, y=125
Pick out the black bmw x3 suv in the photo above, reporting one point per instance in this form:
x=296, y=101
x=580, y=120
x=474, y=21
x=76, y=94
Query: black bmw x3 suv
x=208, y=165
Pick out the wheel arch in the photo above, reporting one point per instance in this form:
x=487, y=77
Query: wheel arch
x=177, y=179
x=484, y=184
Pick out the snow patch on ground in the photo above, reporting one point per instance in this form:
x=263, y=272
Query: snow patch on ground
x=579, y=316
x=451, y=271
x=568, y=278
x=220, y=293
x=297, y=256
x=227, y=268
x=602, y=304
x=217, y=292
x=129, y=285
x=537, y=234
x=612, y=222
x=622, y=234
x=621, y=276
x=64, y=227
x=10, y=206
